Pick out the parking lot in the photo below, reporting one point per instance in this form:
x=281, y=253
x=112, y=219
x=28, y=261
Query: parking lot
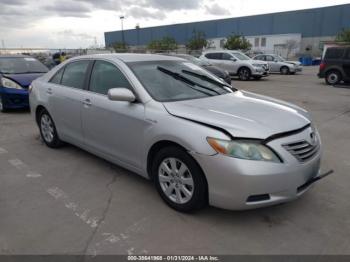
x=68, y=201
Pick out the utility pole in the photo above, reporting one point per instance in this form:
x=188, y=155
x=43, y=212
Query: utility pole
x=121, y=21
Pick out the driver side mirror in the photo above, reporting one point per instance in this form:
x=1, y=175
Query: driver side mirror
x=233, y=59
x=121, y=94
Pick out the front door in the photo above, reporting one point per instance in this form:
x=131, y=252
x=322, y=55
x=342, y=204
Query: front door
x=114, y=128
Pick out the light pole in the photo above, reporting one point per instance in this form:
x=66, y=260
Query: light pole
x=121, y=21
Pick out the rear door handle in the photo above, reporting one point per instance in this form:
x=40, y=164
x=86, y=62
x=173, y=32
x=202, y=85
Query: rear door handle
x=87, y=102
x=49, y=91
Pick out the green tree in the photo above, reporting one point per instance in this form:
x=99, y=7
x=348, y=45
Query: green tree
x=237, y=42
x=164, y=44
x=197, y=41
x=344, y=35
x=120, y=47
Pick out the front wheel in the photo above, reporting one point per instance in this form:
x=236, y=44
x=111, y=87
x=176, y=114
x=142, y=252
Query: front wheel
x=179, y=179
x=333, y=77
x=2, y=106
x=284, y=70
x=244, y=74
x=48, y=130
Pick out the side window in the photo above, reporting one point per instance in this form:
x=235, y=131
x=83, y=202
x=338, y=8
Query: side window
x=334, y=53
x=105, y=76
x=213, y=56
x=270, y=58
x=347, y=56
x=260, y=57
x=74, y=74
x=56, y=79
x=226, y=56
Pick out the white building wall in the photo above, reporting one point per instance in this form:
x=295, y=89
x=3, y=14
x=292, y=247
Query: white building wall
x=266, y=43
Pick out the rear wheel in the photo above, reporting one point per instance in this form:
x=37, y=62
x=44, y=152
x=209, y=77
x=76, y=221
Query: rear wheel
x=48, y=130
x=179, y=179
x=284, y=70
x=244, y=74
x=333, y=77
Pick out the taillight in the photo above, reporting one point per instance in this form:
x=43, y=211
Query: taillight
x=322, y=66
x=30, y=88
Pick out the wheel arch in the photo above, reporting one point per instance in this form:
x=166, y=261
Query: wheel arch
x=38, y=110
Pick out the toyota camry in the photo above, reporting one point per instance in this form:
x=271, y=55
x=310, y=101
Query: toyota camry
x=200, y=140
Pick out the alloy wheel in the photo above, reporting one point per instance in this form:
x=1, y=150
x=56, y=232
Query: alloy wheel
x=333, y=78
x=176, y=180
x=47, y=128
x=244, y=74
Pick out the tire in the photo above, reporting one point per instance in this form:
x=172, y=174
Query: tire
x=48, y=130
x=257, y=77
x=333, y=77
x=284, y=70
x=175, y=173
x=244, y=74
x=2, y=106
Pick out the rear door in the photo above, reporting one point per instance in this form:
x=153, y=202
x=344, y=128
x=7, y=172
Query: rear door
x=214, y=58
x=346, y=65
x=113, y=128
x=65, y=94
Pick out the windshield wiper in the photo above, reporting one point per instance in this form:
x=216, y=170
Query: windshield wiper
x=207, y=78
x=184, y=79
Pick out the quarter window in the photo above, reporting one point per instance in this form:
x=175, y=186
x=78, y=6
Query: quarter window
x=334, y=53
x=105, y=76
x=56, y=79
x=74, y=74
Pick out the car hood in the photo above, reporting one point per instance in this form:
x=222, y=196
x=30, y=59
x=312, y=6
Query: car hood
x=293, y=62
x=251, y=61
x=242, y=114
x=23, y=79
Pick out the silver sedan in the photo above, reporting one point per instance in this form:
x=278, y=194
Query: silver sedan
x=277, y=64
x=200, y=140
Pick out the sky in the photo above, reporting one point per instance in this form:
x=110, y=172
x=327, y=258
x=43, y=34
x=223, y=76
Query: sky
x=82, y=23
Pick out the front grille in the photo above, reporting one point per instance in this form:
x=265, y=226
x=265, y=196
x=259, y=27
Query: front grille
x=302, y=150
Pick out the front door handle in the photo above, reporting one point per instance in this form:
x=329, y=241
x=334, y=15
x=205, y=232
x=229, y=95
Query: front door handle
x=49, y=91
x=87, y=102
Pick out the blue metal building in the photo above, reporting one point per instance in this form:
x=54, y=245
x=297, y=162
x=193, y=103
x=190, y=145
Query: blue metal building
x=310, y=23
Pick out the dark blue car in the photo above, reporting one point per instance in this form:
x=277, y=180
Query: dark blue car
x=16, y=74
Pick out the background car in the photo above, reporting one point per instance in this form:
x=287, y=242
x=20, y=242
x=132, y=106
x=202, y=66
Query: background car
x=237, y=64
x=16, y=74
x=223, y=74
x=335, y=65
x=168, y=120
x=277, y=64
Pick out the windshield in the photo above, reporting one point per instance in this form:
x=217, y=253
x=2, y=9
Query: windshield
x=21, y=65
x=279, y=58
x=240, y=56
x=177, y=80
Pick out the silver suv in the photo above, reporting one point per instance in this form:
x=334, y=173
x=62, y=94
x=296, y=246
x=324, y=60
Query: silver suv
x=237, y=64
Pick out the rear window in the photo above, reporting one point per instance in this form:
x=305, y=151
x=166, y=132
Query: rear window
x=334, y=53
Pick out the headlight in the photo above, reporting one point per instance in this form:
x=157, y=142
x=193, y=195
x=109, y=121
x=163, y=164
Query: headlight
x=258, y=65
x=226, y=72
x=5, y=82
x=243, y=149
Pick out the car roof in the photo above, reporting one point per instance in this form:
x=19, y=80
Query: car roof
x=129, y=57
x=13, y=56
